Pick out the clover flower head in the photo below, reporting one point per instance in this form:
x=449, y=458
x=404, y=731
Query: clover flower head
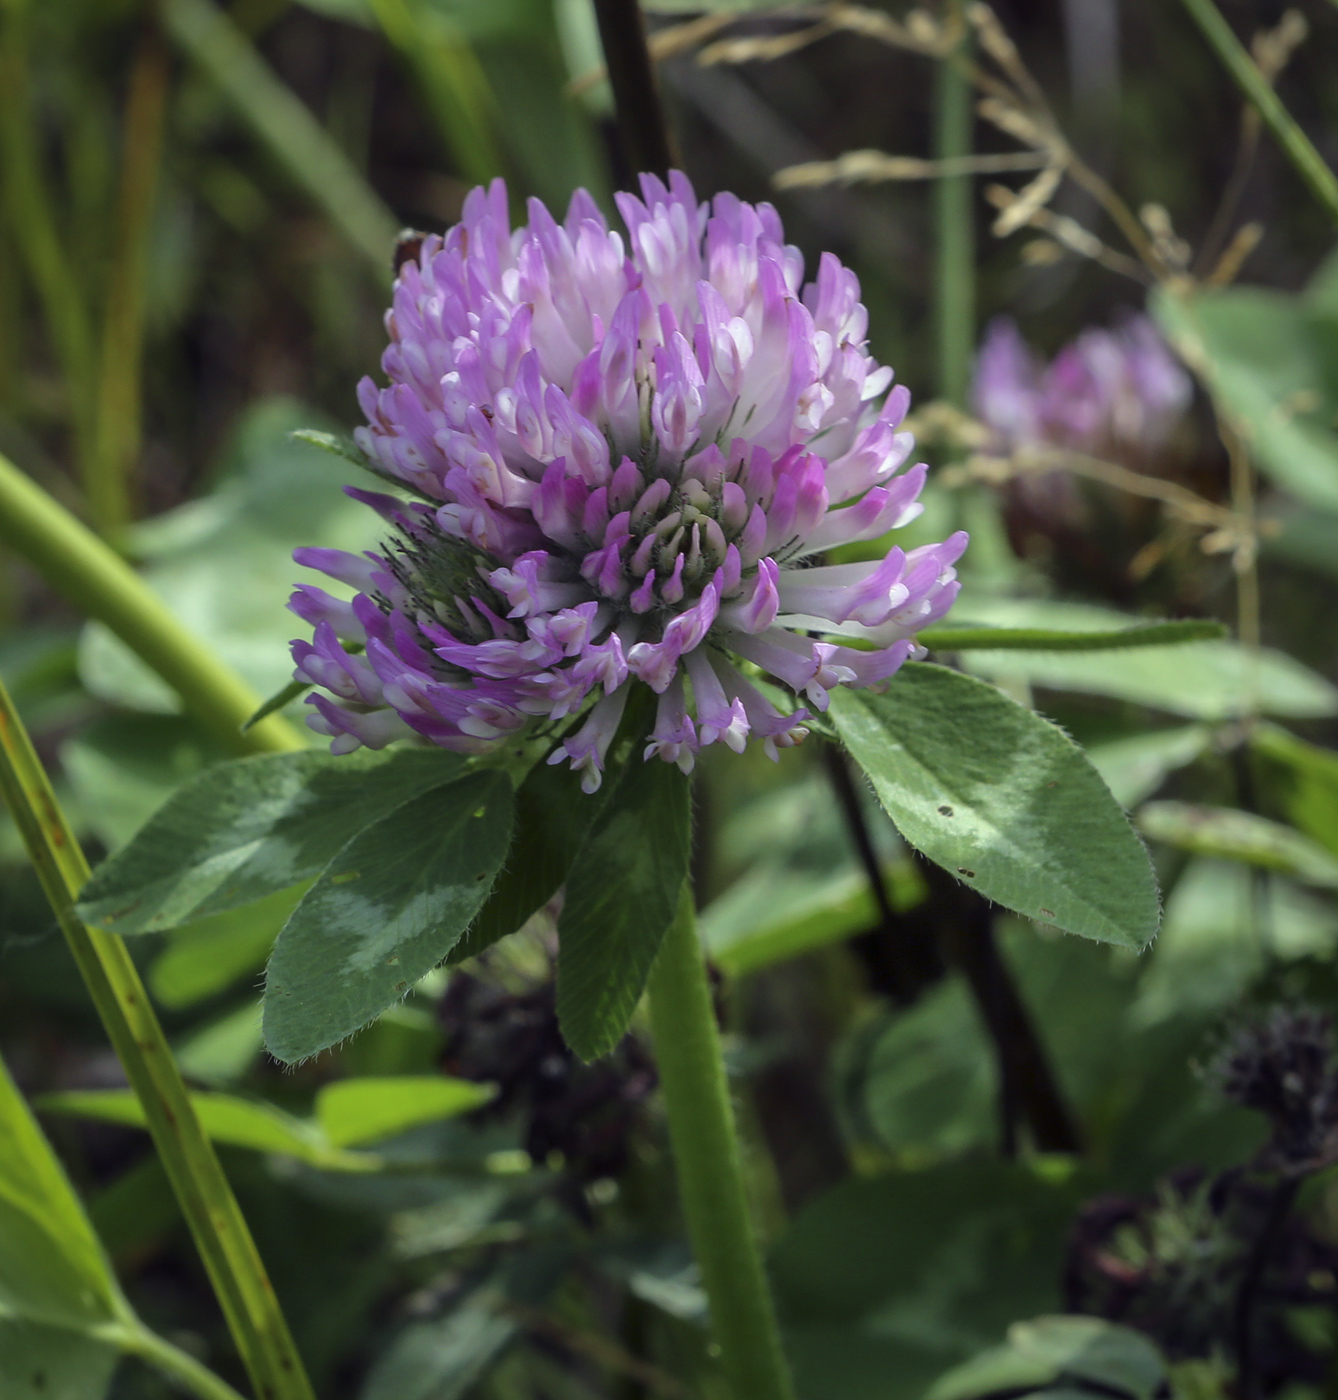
x=629, y=457
x=1108, y=390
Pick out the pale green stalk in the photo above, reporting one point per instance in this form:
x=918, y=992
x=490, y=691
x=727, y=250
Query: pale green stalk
x=313, y=160
x=954, y=266
x=1297, y=146
x=202, y=1191
x=180, y=1366
x=100, y=583
x=710, y=1174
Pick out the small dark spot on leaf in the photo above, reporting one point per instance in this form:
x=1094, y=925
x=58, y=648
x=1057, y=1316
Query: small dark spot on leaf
x=393, y=960
x=399, y=987
x=945, y=810
x=482, y=875
x=1047, y=913
x=970, y=874
x=39, y=1380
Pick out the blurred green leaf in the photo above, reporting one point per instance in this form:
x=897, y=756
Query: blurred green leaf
x=387, y=909
x=349, y=1112
x=1230, y=834
x=122, y=768
x=1134, y=768
x=622, y=894
x=1223, y=923
x=1002, y=799
x=52, y=1363
x=441, y=1360
x=770, y=915
x=207, y=956
x=1271, y=361
x=251, y=828
x=353, y=1112
x=1060, y=1352
x=52, y=1268
x=1307, y=778
x=1201, y=680
x=1057, y=639
x=882, y=1283
x=224, y=564
x=221, y=1051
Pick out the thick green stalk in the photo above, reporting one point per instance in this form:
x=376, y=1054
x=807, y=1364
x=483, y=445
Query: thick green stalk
x=116, y=443
x=286, y=127
x=954, y=267
x=100, y=583
x=210, y=1209
x=1259, y=91
x=710, y=1173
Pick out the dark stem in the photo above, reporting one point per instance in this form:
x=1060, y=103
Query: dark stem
x=1028, y=1087
x=1279, y=1207
x=642, y=130
x=900, y=955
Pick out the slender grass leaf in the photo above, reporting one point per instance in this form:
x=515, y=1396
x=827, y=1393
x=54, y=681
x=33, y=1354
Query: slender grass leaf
x=352, y=1112
x=1002, y=799
x=1206, y=680
x=622, y=892
x=1230, y=834
x=552, y=818
x=388, y=908
x=52, y=1267
x=250, y=828
x=52, y=1363
x=281, y=699
x=1052, y=639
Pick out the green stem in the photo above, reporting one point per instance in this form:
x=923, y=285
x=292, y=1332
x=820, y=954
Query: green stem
x=174, y=1363
x=710, y=1172
x=954, y=270
x=116, y=444
x=99, y=582
x=1257, y=89
x=211, y=1210
x=286, y=127
x=36, y=229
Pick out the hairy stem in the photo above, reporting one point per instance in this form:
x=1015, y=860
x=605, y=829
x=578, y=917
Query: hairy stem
x=1296, y=145
x=710, y=1172
x=207, y=1203
x=98, y=581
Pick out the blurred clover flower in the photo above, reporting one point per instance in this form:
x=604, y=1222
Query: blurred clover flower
x=626, y=462
x=1117, y=391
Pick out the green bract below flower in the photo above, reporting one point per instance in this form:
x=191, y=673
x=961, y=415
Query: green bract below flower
x=627, y=458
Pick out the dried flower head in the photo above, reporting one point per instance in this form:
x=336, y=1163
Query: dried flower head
x=626, y=456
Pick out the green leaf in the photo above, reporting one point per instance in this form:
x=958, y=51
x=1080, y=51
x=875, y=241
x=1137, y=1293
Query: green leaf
x=1002, y=799
x=387, y=909
x=1230, y=834
x=250, y=828
x=1268, y=359
x=52, y=1268
x=52, y=1363
x=765, y=918
x=206, y=957
x=221, y=1051
x=349, y=1113
x=552, y=818
x=1049, y=639
x=224, y=563
x=622, y=892
x=1134, y=768
x=1210, y=681
x=1306, y=777
x=1058, y=1351
x=356, y=1111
